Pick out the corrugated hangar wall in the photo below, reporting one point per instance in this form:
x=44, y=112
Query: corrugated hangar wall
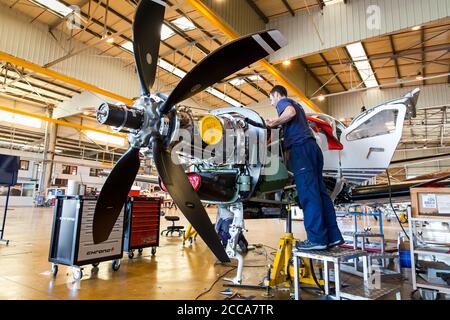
x=348, y=105
x=238, y=14
x=341, y=24
x=33, y=42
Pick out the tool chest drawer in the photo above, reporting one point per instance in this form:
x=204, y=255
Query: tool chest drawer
x=142, y=223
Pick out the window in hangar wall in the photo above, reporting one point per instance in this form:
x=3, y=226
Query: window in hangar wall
x=69, y=170
x=61, y=182
x=95, y=172
x=24, y=165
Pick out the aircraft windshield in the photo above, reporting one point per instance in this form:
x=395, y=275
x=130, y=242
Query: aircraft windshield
x=384, y=122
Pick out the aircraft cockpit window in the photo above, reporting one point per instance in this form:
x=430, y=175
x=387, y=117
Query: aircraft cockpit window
x=380, y=124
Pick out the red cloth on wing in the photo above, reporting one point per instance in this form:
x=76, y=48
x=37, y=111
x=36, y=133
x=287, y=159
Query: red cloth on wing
x=325, y=127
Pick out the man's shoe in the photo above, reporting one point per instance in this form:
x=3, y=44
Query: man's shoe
x=336, y=243
x=308, y=245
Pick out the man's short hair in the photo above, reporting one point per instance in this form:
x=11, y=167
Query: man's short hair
x=280, y=89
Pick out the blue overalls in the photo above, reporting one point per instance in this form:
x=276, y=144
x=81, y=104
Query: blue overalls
x=306, y=161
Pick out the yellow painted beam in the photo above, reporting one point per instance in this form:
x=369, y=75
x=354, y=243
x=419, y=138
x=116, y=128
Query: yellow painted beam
x=59, y=76
x=60, y=122
x=230, y=33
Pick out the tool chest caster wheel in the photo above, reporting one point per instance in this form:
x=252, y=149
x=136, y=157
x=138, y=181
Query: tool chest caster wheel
x=116, y=265
x=130, y=254
x=140, y=251
x=77, y=273
x=54, y=269
x=153, y=251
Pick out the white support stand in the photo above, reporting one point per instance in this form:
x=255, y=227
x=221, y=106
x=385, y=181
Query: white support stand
x=232, y=248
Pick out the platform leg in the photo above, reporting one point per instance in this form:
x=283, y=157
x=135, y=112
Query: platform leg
x=326, y=277
x=337, y=279
x=296, y=279
x=366, y=271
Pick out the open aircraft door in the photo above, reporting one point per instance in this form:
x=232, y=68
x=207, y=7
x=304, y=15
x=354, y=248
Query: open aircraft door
x=372, y=138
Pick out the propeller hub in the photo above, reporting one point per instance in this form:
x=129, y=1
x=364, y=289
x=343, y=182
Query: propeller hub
x=140, y=138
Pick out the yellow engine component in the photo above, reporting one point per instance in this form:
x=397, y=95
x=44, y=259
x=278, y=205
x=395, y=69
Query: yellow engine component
x=211, y=129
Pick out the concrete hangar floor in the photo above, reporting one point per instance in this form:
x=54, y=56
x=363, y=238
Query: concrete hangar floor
x=175, y=272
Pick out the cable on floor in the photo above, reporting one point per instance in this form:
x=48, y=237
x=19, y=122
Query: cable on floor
x=215, y=282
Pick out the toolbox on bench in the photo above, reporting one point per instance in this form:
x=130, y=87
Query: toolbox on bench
x=142, y=221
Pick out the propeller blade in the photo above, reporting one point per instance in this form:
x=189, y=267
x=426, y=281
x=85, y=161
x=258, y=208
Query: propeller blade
x=114, y=194
x=223, y=62
x=147, y=25
x=176, y=182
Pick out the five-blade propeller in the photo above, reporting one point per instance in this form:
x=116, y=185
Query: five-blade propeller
x=223, y=62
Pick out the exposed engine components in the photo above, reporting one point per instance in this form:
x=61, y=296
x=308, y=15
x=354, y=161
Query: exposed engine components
x=120, y=116
x=244, y=183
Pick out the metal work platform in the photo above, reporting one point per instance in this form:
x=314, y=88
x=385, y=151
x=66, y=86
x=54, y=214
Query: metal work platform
x=338, y=256
x=356, y=267
x=363, y=293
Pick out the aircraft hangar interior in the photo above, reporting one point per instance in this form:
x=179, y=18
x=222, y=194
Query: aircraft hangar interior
x=243, y=150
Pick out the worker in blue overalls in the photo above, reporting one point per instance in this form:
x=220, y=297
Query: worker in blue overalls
x=306, y=161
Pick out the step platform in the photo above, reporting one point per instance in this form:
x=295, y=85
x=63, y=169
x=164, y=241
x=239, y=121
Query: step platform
x=338, y=256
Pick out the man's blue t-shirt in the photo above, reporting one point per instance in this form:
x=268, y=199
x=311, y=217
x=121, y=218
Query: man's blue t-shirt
x=297, y=130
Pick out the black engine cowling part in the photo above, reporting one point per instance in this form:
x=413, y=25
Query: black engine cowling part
x=217, y=186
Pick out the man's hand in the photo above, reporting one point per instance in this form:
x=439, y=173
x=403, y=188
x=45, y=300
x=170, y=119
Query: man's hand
x=272, y=123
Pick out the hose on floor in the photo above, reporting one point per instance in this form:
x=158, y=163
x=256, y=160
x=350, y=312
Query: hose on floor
x=313, y=273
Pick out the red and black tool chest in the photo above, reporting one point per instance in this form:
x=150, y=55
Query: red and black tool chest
x=142, y=221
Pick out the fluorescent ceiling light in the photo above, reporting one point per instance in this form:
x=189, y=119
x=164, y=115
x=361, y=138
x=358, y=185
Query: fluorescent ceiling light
x=105, y=138
x=184, y=24
x=171, y=68
x=237, y=82
x=359, y=57
x=223, y=97
x=55, y=6
x=255, y=77
x=166, y=32
x=330, y=2
x=127, y=46
x=20, y=119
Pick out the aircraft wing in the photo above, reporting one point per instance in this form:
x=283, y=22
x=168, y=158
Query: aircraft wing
x=417, y=160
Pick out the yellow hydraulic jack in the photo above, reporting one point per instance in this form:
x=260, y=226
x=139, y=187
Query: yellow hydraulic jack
x=282, y=271
x=190, y=234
